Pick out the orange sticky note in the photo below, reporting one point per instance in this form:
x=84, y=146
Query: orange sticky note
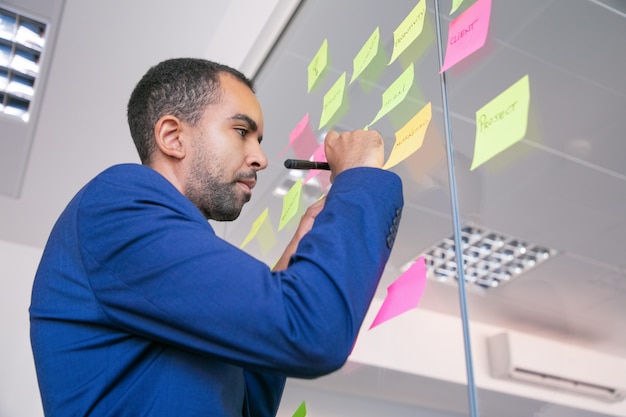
x=467, y=33
x=410, y=138
x=404, y=293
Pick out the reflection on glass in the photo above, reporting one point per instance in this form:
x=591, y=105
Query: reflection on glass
x=490, y=259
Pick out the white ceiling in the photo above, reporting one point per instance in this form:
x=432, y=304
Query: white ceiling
x=563, y=186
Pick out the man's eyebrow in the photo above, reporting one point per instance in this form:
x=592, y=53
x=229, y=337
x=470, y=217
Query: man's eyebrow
x=247, y=119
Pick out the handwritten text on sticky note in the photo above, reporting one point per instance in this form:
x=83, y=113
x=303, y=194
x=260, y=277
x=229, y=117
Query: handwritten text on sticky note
x=396, y=92
x=365, y=56
x=318, y=65
x=410, y=138
x=409, y=30
x=502, y=122
x=333, y=100
x=467, y=33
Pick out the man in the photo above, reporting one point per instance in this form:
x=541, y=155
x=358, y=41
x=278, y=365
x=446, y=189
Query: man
x=139, y=309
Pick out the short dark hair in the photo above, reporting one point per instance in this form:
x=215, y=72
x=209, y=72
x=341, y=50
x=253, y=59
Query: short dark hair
x=181, y=87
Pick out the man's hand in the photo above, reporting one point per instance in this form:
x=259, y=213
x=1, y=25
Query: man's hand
x=360, y=148
x=306, y=223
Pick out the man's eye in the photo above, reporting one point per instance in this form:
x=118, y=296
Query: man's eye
x=242, y=132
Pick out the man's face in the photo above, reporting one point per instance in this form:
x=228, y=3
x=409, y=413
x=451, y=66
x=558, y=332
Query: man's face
x=226, y=152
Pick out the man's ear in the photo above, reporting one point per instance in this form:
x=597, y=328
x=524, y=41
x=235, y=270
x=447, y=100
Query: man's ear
x=168, y=136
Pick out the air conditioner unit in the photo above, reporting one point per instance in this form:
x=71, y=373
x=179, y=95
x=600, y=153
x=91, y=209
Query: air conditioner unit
x=529, y=359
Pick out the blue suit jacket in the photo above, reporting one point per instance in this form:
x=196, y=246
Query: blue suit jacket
x=139, y=309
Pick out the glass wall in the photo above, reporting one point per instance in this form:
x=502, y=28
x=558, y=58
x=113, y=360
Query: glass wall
x=514, y=154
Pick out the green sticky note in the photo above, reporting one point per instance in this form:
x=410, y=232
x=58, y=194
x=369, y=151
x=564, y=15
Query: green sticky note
x=256, y=226
x=365, y=56
x=396, y=93
x=318, y=65
x=301, y=411
x=333, y=100
x=455, y=5
x=291, y=203
x=502, y=122
x=410, y=28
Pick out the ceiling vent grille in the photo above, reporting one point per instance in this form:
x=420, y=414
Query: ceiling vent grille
x=490, y=259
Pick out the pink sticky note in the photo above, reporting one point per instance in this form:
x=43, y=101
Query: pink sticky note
x=318, y=156
x=467, y=33
x=302, y=139
x=404, y=293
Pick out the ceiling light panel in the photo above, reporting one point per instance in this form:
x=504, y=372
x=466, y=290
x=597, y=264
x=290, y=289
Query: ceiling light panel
x=28, y=30
x=490, y=259
x=21, y=45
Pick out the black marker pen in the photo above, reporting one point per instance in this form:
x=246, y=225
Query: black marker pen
x=303, y=164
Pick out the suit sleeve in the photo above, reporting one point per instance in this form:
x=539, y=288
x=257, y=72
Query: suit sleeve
x=162, y=273
x=263, y=393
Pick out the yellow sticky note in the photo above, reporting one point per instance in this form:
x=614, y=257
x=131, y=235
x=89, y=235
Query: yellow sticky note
x=502, y=122
x=365, y=55
x=266, y=237
x=333, y=100
x=396, y=93
x=256, y=226
x=291, y=203
x=410, y=138
x=410, y=28
x=317, y=65
x=455, y=5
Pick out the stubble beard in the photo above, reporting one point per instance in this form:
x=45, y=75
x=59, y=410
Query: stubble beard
x=217, y=199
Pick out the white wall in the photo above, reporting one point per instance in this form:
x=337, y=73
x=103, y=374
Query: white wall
x=19, y=395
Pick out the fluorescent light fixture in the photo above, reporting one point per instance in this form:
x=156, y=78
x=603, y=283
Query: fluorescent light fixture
x=21, y=46
x=490, y=259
